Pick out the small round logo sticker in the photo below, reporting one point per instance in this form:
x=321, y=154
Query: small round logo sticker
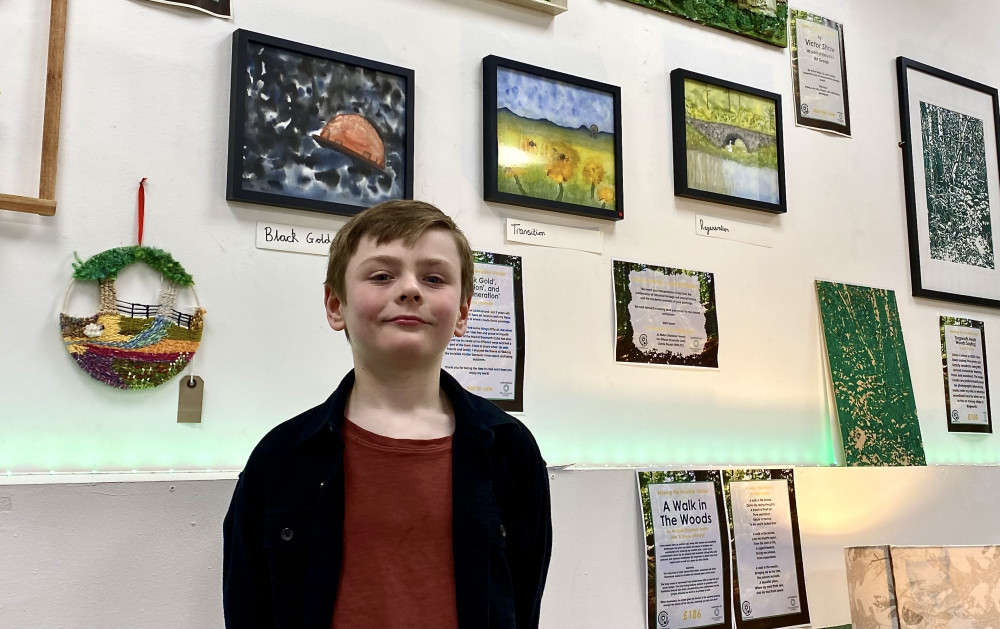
x=663, y=619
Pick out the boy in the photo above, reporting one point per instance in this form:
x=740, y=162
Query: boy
x=403, y=501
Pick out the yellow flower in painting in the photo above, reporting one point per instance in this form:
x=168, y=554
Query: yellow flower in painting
x=593, y=173
x=606, y=194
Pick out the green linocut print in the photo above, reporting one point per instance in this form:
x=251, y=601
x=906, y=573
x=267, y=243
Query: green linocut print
x=958, y=192
x=871, y=377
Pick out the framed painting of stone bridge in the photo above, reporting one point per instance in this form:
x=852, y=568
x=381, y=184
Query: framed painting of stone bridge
x=728, y=145
x=315, y=129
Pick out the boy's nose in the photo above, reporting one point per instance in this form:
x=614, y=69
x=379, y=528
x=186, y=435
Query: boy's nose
x=409, y=288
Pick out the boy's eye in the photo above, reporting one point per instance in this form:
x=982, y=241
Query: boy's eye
x=435, y=279
x=381, y=277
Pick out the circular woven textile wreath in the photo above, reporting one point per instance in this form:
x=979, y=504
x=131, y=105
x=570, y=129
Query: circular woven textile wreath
x=126, y=345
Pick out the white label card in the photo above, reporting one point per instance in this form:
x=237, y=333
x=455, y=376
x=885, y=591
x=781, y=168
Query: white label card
x=557, y=236
x=714, y=227
x=293, y=238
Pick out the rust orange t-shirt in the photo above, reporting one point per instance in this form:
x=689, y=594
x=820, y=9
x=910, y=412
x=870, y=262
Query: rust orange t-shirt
x=398, y=569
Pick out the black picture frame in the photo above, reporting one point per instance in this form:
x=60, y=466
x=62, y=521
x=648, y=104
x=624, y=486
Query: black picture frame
x=552, y=153
x=339, y=142
x=714, y=138
x=952, y=244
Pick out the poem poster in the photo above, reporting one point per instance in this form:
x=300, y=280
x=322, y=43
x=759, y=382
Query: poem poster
x=665, y=316
x=819, y=73
x=489, y=359
x=687, y=554
x=769, y=585
x=966, y=382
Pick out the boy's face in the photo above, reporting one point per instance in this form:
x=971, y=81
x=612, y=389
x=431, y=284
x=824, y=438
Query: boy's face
x=402, y=304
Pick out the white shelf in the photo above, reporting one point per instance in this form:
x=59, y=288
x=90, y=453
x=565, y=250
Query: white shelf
x=555, y=7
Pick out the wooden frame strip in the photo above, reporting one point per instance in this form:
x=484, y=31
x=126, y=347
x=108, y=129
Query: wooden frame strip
x=45, y=204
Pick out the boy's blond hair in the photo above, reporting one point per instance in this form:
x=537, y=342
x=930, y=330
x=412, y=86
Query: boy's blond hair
x=388, y=222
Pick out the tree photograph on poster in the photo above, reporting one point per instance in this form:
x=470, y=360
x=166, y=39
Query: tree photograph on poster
x=951, y=165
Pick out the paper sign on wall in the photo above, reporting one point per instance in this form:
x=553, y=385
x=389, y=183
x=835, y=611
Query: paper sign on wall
x=292, y=238
x=714, y=227
x=558, y=236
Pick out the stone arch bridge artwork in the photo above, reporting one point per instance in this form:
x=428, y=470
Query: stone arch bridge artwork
x=725, y=135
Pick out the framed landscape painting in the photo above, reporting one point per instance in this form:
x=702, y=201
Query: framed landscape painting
x=951, y=170
x=551, y=141
x=763, y=20
x=728, y=145
x=315, y=129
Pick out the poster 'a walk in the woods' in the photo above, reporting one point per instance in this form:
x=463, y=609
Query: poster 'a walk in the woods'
x=952, y=172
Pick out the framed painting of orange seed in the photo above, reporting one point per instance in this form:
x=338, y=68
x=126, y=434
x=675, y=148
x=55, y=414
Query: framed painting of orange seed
x=551, y=140
x=314, y=129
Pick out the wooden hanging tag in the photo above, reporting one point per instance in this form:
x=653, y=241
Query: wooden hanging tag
x=189, y=401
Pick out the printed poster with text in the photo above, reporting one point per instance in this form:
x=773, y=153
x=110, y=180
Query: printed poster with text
x=489, y=359
x=769, y=587
x=966, y=381
x=687, y=551
x=819, y=73
x=665, y=316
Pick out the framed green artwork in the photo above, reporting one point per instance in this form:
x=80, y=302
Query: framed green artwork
x=728, y=145
x=951, y=169
x=763, y=20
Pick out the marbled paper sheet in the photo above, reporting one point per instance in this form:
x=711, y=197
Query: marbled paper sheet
x=951, y=587
x=871, y=378
x=870, y=588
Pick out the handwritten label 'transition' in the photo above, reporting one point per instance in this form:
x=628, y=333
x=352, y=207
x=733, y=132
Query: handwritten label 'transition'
x=556, y=236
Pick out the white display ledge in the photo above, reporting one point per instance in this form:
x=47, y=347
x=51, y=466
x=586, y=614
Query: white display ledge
x=553, y=8
x=64, y=478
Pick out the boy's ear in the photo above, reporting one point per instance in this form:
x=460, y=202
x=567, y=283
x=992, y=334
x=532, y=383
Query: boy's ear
x=463, y=317
x=334, y=315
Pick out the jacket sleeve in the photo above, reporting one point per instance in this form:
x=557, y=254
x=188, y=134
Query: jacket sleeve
x=536, y=537
x=245, y=580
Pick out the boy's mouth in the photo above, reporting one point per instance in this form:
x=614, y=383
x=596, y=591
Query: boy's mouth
x=407, y=320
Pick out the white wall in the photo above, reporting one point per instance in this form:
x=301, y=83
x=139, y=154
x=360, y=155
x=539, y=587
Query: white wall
x=92, y=554
x=146, y=94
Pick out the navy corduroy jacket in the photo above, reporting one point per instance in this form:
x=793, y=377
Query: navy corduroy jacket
x=283, y=534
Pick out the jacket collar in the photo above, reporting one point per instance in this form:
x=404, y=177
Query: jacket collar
x=475, y=417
